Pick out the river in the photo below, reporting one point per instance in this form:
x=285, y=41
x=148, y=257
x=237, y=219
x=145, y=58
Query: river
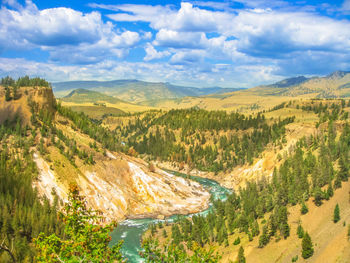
x=131, y=230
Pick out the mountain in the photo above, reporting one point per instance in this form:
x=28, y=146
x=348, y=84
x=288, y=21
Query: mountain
x=135, y=91
x=265, y=97
x=289, y=82
x=334, y=85
x=89, y=96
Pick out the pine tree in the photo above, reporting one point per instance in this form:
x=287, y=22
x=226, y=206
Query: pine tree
x=85, y=239
x=318, y=196
x=264, y=238
x=307, y=246
x=7, y=94
x=330, y=191
x=240, y=257
x=337, y=181
x=343, y=170
x=237, y=241
x=304, y=209
x=300, y=231
x=336, y=215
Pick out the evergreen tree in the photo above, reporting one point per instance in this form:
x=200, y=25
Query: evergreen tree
x=85, y=239
x=7, y=94
x=330, y=191
x=307, y=246
x=343, y=169
x=237, y=241
x=318, y=196
x=264, y=238
x=304, y=209
x=300, y=231
x=336, y=215
x=240, y=257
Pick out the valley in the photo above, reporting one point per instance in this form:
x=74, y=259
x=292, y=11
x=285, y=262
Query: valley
x=208, y=174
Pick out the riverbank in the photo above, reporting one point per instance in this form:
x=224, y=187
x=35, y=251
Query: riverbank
x=131, y=230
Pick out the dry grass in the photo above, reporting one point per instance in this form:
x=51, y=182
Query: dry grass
x=126, y=107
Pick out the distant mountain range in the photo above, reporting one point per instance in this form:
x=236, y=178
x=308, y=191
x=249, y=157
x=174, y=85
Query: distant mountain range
x=89, y=96
x=136, y=91
x=334, y=85
x=164, y=95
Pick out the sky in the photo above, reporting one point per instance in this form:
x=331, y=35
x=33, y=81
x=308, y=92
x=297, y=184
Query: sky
x=233, y=43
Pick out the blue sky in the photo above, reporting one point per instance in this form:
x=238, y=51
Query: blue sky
x=239, y=43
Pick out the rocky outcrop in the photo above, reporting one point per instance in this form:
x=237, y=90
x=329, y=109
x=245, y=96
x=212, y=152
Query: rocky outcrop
x=123, y=187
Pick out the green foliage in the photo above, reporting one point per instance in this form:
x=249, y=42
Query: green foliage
x=264, y=238
x=7, y=94
x=237, y=241
x=85, y=240
x=183, y=136
x=348, y=231
x=304, y=209
x=173, y=253
x=307, y=246
x=295, y=258
x=336, y=214
x=107, y=138
x=300, y=231
x=22, y=214
x=240, y=257
x=25, y=81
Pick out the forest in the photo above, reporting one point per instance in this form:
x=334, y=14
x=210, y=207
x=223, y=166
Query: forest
x=213, y=141
x=23, y=215
x=207, y=140
x=316, y=167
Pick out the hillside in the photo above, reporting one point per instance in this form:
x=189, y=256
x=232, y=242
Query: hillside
x=89, y=96
x=98, y=105
x=291, y=156
x=307, y=167
x=135, y=91
x=49, y=147
x=265, y=97
x=70, y=155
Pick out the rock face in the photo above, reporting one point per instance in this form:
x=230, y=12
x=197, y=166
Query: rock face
x=118, y=185
x=122, y=187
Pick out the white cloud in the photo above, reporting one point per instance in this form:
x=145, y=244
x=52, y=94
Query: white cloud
x=279, y=33
x=186, y=19
x=67, y=34
x=174, y=39
x=147, y=35
x=187, y=57
x=200, y=41
x=152, y=53
x=223, y=75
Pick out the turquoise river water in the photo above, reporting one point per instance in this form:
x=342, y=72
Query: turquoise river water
x=131, y=230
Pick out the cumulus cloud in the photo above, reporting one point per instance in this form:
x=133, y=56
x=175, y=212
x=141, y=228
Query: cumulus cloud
x=175, y=39
x=187, y=57
x=67, y=34
x=202, y=40
x=152, y=53
x=224, y=75
x=273, y=33
x=186, y=19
